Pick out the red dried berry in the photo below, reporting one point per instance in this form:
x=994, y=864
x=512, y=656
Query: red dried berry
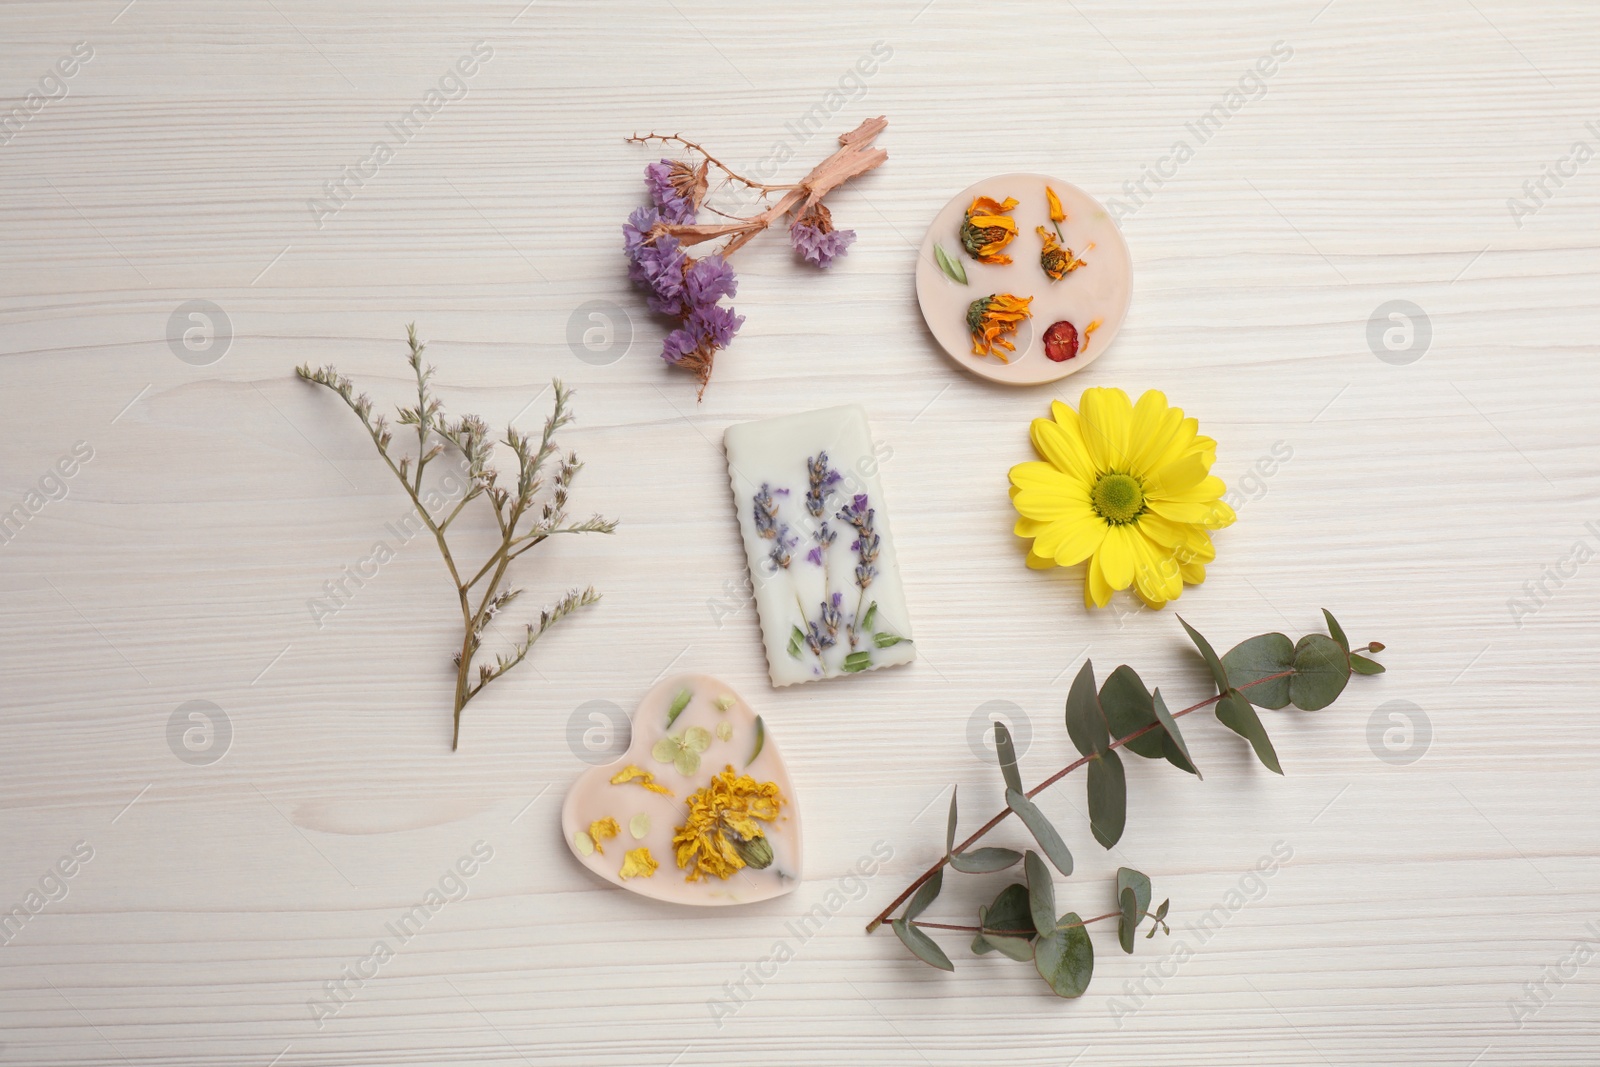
x=1061, y=341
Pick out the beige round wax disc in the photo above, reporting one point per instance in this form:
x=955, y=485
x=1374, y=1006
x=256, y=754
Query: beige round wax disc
x=1100, y=289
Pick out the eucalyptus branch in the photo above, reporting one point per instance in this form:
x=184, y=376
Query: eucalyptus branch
x=470, y=436
x=1123, y=714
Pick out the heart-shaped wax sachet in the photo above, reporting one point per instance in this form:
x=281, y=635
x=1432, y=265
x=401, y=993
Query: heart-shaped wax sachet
x=699, y=810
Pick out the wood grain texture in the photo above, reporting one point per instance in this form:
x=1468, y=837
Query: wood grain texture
x=1376, y=165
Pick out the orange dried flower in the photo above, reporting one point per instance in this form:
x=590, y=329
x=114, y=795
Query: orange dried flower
x=992, y=319
x=987, y=229
x=1057, y=213
x=1057, y=261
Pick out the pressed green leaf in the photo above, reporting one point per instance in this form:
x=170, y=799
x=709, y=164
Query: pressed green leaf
x=1108, y=797
x=761, y=740
x=1042, y=830
x=1335, y=630
x=984, y=860
x=1362, y=665
x=1139, y=882
x=1261, y=657
x=1172, y=744
x=951, y=267
x=856, y=662
x=882, y=640
x=797, y=640
x=1128, y=921
x=1007, y=753
x=1128, y=708
x=1065, y=957
x=1208, y=654
x=921, y=945
x=1041, y=891
x=869, y=616
x=926, y=894
x=679, y=702
x=1321, y=669
x=1086, y=723
x=1235, y=712
x=950, y=823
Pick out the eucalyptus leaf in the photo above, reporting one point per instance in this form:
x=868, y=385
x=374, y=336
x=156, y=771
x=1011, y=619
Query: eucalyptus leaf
x=1261, y=657
x=1010, y=911
x=1235, y=712
x=1161, y=913
x=1362, y=665
x=950, y=824
x=926, y=894
x=1086, y=723
x=1017, y=948
x=1007, y=754
x=1108, y=797
x=984, y=860
x=1208, y=654
x=1172, y=744
x=1321, y=669
x=1041, y=891
x=1139, y=882
x=1065, y=957
x=1042, y=829
x=1128, y=708
x=1335, y=630
x=921, y=945
x=1128, y=920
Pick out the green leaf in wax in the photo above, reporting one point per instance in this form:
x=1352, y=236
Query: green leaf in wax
x=951, y=267
x=883, y=640
x=926, y=894
x=1208, y=654
x=984, y=860
x=1261, y=657
x=1041, y=891
x=869, y=616
x=797, y=640
x=679, y=702
x=1235, y=712
x=1108, y=797
x=1362, y=665
x=1042, y=830
x=1010, y=912
x=1128, y=708
x=1007, y=754
x=1128, y=920
x=1172, y=745
x=950, y=823
x=761, y=740
x=1335, y=630
x=856, y=662
x=921, y=945
x=1086, y=723
x=1065, y=957
x=1321, y=669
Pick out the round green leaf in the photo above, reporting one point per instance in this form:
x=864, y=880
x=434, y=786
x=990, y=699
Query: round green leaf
x=1321, y=669
x=1064, y=957
x=1261, y=657
x=1128, y=708
x=1139, y=882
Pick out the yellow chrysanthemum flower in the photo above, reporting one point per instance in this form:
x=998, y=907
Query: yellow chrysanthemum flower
x=1126, y=487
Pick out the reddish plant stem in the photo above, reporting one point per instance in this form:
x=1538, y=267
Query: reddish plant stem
x=883, y=916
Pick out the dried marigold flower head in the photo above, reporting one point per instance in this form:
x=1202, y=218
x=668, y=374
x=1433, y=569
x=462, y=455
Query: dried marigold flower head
x=1056, y=260
x=993, y=319
x=988, y=228
x=720, y=834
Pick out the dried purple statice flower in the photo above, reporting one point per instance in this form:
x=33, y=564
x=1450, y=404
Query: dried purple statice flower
x=866, y=545
x=676, y=188
x=813, y=236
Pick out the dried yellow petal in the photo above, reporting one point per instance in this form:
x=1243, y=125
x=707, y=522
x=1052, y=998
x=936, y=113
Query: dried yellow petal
x=721, y=815
x=638, y=863
x=1054, y=201
x=639, y=776
x=639, y=825
x=603, y=830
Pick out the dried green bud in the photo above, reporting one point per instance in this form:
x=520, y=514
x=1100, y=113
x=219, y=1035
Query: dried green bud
x=756, y=852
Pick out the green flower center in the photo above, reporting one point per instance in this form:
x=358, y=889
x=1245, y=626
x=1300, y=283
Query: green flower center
x=1117, y=498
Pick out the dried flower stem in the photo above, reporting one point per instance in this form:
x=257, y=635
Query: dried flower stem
x=470, y=436
x=883, y=916
x=678, y=138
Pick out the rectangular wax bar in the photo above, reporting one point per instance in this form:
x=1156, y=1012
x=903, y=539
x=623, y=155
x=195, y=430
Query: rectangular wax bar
x=810, y=506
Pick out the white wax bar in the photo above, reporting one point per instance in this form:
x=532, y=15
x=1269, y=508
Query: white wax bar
x=816, y=535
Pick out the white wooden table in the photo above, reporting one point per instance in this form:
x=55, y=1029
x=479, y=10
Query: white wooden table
x=1441, y=851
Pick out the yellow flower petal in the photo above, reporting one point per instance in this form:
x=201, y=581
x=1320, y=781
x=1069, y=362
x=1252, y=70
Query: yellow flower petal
x=638, y=863
x=1071, y=541
x=1040, y=563
x=602, y=830
x=1107, y=416
x=1156, y=571
x=1172, y=445
x=1116, y=556
x=1063, y=449
x=1178, y=477
x=1096, y=590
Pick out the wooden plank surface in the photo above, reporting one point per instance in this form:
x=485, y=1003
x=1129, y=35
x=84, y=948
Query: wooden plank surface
x=1437, y=504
